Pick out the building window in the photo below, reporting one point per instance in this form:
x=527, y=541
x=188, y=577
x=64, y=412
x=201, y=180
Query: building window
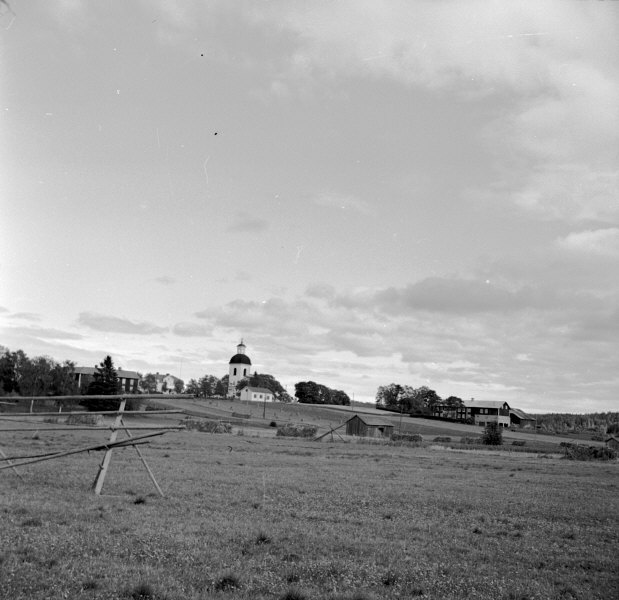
x=244, y=371
x=235, y=371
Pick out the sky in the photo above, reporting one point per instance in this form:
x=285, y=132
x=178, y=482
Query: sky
x=365, y=192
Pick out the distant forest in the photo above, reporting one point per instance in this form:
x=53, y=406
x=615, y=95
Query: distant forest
x=604, y=423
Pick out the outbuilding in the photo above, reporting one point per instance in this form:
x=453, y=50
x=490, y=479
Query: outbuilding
x=613, y=442
x=368, y=426
x=256, y=394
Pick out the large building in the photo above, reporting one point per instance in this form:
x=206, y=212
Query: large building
x=239, y=368
x=128, y=380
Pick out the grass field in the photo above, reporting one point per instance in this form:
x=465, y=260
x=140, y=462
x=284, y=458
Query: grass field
x=277, y=518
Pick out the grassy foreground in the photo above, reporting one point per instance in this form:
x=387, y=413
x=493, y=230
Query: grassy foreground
x=292, y=519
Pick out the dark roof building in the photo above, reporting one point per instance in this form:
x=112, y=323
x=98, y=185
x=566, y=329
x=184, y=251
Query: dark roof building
x=368, y=426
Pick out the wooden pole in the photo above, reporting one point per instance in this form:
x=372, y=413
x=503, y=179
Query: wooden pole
x=10, y=464
x=94, y=428
x=150, y=473
x=103, y=467
x=137, y=413
x=136, y=440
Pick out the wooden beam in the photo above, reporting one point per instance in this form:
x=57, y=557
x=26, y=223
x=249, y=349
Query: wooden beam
x=94, y=412
x=95, y=428
x=150, y=473
x=10, y=464
x=103, y=467
x=138, y=439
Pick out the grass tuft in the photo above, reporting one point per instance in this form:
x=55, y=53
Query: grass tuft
x=140, y=500
x=142, y=591
x=294, y=594
x=33, y=522
x=228, y=581
x=263, y=538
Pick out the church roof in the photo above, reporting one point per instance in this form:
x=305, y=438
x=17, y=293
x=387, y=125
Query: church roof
x=240, y=358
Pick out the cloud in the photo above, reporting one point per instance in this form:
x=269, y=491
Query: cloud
x=43, y=333
x=343, y=202
x=26, y=316
x=165, y=280
x=115, y=324
x=191, y=330
x=248, y=224
x=599, y=242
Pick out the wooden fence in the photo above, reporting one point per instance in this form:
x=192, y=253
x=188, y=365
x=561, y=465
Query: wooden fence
x=12, y=462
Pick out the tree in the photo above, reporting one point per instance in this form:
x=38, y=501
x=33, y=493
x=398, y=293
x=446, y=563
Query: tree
x=105, y=383
x=179, y=385
x=493, y=436
x=148, y=383
x=192, y=387
x=264, y=380
x=310, y=392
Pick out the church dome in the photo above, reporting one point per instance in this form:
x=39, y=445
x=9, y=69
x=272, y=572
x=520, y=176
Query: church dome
x=240, y=358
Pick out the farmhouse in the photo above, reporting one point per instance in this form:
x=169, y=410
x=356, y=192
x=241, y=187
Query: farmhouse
x=480, y=412
x=166, y=384
x=367, y=426
x=256, y=394
x=128, y=379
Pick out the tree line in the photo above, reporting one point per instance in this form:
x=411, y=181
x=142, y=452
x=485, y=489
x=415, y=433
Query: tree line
x=21, y=375
x=407, y=399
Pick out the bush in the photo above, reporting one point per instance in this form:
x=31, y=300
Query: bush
x=406, y=437
x=518, y=443
x=576, y=452
x=289, y=430
x=442, y=439
x=208, y=426
x=272, y=424
x=85, y=419
x=493, y=436
x=470, y=440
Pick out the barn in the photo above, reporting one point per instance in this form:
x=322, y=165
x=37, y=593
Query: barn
x=367, y=426
x=613, y=442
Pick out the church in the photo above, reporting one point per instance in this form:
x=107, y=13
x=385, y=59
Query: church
x=240, y=368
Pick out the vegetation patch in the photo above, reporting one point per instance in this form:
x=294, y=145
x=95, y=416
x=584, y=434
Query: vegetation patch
x=578, y=452
x=206, y=426
x=290, y=430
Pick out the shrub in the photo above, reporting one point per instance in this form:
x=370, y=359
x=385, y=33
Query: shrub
x=470, y=440
x=493, y=436
x=576, y=452
x=208, y=426
x=442, y=439
x=406, y=437
x=518, y=443
x=132, y=404
x=272, y=424
x=85, y=419
x=289, y=430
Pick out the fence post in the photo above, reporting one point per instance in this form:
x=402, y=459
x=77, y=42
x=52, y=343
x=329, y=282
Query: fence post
x=98, y=484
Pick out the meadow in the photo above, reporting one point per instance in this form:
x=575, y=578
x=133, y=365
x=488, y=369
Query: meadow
x=291, y=519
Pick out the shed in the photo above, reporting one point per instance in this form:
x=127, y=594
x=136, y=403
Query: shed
x=613, y=442
x=368, y=426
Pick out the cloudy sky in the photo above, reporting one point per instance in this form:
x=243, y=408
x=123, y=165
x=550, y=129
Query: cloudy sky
x=367, y=192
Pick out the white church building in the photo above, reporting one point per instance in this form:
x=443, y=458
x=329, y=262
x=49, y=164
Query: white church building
x=239, y=368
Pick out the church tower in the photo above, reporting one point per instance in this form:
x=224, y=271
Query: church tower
x=240, y=368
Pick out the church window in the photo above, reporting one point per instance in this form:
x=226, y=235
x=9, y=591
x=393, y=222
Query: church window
x=235, y=370
x=244, y=371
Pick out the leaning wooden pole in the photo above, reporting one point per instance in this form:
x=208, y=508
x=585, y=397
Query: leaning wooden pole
x=141, y=439
x=105, y=463
x=148, y=470
x=10, y=464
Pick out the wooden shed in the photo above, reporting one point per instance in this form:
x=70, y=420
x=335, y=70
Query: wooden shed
x=613, y=442
x=368, y=426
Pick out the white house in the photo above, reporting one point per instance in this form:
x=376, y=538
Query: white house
x=254, y=394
